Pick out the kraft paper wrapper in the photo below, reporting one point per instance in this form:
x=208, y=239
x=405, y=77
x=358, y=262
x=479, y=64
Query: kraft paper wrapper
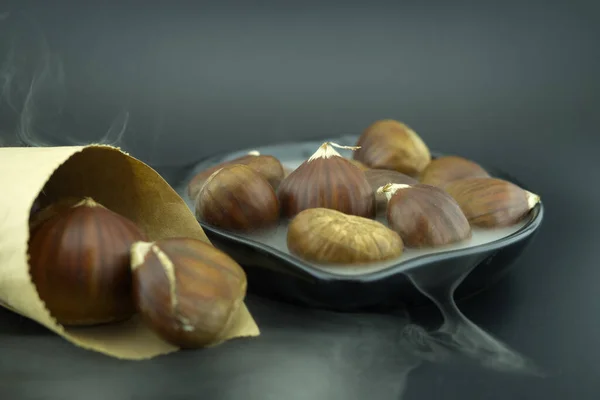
x=120, y=183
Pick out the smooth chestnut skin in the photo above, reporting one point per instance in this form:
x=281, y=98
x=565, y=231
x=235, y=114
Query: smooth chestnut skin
x=237, y=198
x=426, y=216
x=186, y=290
x=491, y=202
x=446, y=169
x=327, y=180
x=80, y=265
x=268, y=166
x=327, y=236
x=389, y=144
x=380, y=177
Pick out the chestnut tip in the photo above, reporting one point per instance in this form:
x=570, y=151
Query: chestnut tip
x=87, y=202
x=532, y=199
x=390, y=189
x=253, y=153
x=327, y=150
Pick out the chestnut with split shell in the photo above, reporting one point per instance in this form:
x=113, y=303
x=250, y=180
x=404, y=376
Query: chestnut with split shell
x=186, y=290
x=446, y=169
x=268, y=166
x=492, y=202
x=328, y=236
x=327, y=180
x=389, y=144
x=80, y=265
x=237, y=198
x=380, y=177
x=425, y=216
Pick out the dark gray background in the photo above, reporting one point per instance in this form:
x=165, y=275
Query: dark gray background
x=513, y=84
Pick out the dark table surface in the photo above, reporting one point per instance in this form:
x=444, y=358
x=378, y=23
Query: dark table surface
x=514, y=86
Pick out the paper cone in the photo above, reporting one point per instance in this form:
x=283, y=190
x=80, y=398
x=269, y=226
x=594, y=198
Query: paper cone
x=120, y=183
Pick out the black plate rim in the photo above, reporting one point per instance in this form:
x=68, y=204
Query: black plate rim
x=314, y=273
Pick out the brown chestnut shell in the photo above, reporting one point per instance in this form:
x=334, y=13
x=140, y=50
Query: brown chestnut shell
x=446, y=169
x=266, y=165
x=328, y=181
x=328, y=236
x=426, y=216
x=237, y=198
x=381, y=177
x=80, y=264
x=492, y=202
x=186, y=290
x=389, y=144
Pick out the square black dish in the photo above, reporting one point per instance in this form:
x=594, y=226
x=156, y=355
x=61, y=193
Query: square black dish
x=274, y=272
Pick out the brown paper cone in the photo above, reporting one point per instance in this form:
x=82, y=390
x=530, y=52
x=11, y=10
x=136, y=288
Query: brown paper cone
x=117, y=181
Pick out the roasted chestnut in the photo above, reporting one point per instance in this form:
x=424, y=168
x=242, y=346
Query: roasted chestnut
x=186, y=290
x=237, y=198
x=327, y=180
x=328, y=236
x=268, y=166
x=389, y=144
x=80, y=265
x=425, y=216
x=451, y=168
x=492, y=202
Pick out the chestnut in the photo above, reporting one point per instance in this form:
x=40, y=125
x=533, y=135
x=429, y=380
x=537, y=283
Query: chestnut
x=268, y=166
x=327, y=180
x=390, y=144
x=328, y=236
x=492, y=202
x=451, y=168
x=186, y=290
x=425, y=216
x=237, y=198
x=380, y=177
x=80, y=265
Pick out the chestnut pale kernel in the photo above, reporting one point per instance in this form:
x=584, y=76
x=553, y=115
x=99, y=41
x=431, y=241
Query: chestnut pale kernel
x=80, y=265
x=492, y=202
x=327, y=180
x=446, y=169
x=186, y=291
x=328, y=236
x=389, y=144
x=425, y=216
x=380, y=177
x=268, y=166
x=237, y=198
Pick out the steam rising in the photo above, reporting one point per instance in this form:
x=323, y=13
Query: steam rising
x=33, y=92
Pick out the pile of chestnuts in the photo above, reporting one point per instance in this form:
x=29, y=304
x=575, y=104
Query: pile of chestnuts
x=389, y=196
x=91, y=266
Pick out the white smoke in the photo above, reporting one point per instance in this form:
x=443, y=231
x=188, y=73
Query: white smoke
x=33, y=92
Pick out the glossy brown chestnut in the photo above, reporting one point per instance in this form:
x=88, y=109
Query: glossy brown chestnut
x=237, y=198
x=186, y=290
x=446, y=169
x=80, y=265
x=425, y=216
x=268, y=166
x=389, y=144
x=491, y=202
x=327, y=236
x=380, y=177
x=327, y=180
